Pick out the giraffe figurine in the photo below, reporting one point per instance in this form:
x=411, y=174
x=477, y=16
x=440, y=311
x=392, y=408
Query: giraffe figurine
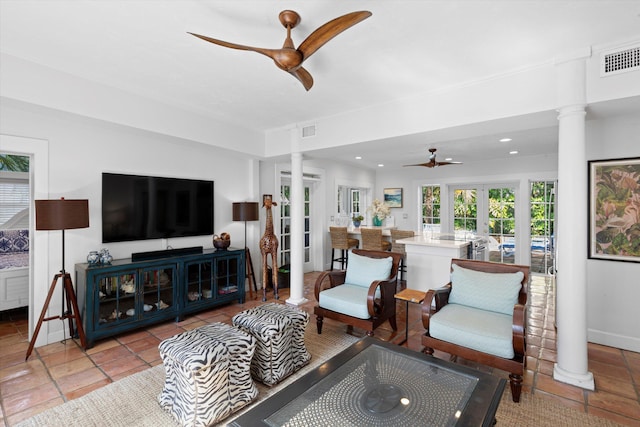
x=269, y=245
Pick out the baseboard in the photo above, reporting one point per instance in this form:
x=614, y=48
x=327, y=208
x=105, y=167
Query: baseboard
x=613, y=340
x=166, y=253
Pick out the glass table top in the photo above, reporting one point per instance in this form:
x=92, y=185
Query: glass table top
x=377, y=388
x=374, y=383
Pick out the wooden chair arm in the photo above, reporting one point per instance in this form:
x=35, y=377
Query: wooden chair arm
x=387, y=292
x=518, y=328
x=441, y=298
x=335, y=278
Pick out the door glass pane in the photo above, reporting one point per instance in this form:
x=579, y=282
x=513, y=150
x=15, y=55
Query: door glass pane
x=542, y=199
x=502, y=224
x=355, y=203
x=307, y=223
x=431, y=208
x=465, y=211
x=285, y=225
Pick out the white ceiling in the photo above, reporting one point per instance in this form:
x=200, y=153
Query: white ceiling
x=405, y=48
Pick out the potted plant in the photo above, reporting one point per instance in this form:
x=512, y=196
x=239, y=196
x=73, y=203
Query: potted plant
x=357, y=220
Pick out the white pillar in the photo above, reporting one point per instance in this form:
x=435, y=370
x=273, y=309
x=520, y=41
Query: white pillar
x=296, y=296
x=571, y=293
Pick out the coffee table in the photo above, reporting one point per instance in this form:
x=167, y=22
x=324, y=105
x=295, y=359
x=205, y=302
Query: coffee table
x=374, y=383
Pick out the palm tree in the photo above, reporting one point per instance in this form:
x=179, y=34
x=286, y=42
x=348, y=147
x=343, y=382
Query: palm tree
x=11, y=162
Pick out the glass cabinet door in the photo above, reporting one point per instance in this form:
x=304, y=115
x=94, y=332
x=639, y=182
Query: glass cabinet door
x=226, y=276
x=116, y=298
x=158, y=292
x=199, y=282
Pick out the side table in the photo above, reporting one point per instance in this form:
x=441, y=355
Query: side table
x=409, y=296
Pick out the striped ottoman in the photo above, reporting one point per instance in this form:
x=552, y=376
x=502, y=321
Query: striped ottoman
x=279, y=333
x=207, y=374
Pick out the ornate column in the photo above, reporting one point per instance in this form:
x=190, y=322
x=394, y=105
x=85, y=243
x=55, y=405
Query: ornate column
x=571, y=293
x=296, y=296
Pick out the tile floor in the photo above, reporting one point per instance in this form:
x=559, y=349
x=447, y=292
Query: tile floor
x=60, y=372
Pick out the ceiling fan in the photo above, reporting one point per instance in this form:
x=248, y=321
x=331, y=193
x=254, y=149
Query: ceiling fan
x=290, y=59
x=432, y=163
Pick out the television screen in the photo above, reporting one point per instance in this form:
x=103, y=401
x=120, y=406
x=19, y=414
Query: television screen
x=145, y=207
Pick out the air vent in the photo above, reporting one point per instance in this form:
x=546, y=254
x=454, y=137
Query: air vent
x=309, y=131
x=620, y=61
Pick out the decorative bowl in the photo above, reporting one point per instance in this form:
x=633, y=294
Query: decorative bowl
x=221, y=242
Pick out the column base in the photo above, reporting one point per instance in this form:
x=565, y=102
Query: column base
x=579, y=380
x=292, y=301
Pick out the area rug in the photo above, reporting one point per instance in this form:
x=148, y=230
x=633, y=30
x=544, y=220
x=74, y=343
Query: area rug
x=132, y=401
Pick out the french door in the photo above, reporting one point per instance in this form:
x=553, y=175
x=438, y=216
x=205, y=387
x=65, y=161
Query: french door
x=285, y=225
x=487, y=211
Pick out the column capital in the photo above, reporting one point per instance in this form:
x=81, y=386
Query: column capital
x=571, y=110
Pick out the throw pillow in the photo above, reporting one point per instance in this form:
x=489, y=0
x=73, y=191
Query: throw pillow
x=362, y=270
x=488, y=291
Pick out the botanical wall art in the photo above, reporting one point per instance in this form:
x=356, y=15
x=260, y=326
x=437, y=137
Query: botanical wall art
x=614, y=209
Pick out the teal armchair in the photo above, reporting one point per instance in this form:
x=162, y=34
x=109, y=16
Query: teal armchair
x=481, y=316
x=361, y=296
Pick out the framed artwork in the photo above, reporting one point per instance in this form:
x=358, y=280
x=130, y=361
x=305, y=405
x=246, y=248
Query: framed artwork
x=393, y=197
x=614, y=209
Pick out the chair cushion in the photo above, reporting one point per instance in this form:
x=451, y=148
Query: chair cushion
x=346, y=299
x=362, y=270
x=488, y=291
x=481, y=330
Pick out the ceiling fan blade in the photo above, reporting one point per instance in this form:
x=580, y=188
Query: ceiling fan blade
x=329, y=30
x=303, y=76
x=426, y=165
x=447, y=163
x=267, y=52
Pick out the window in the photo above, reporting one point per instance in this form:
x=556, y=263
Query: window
x=431, y=208
x=14, y=191
x=355, y=202
x=351, y=201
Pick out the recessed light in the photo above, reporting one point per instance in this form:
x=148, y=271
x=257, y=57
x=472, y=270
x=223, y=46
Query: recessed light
x=513, y=152
x=448, y=159
x=358, y=157
x=505, y=140
x=380, y=165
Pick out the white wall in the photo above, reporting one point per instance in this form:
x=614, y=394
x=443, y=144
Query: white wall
x=613, y=288
x=80, y=149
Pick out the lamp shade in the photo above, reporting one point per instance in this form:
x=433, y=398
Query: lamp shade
x=62, y=214
x=246, y=211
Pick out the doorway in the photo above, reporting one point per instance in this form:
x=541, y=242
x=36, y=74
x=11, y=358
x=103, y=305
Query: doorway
x=38, y=152
x=311, y=241
x=543, y=201
x=15, y=233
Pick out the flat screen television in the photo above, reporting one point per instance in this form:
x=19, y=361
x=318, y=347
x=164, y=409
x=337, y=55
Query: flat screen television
x=136, y=207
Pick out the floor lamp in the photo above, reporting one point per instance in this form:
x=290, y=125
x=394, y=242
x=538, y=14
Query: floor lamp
x=247, y=211
x=62, y=215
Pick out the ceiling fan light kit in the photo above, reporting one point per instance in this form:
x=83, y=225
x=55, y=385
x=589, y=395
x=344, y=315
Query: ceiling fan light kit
x=433, y=163
x=290, y=59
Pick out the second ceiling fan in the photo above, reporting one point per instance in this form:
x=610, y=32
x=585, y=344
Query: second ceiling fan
x=432, y=163
x=289, y=58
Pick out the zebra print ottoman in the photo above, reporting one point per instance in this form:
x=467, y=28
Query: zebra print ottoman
x=207, y=374
x=279, y=333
